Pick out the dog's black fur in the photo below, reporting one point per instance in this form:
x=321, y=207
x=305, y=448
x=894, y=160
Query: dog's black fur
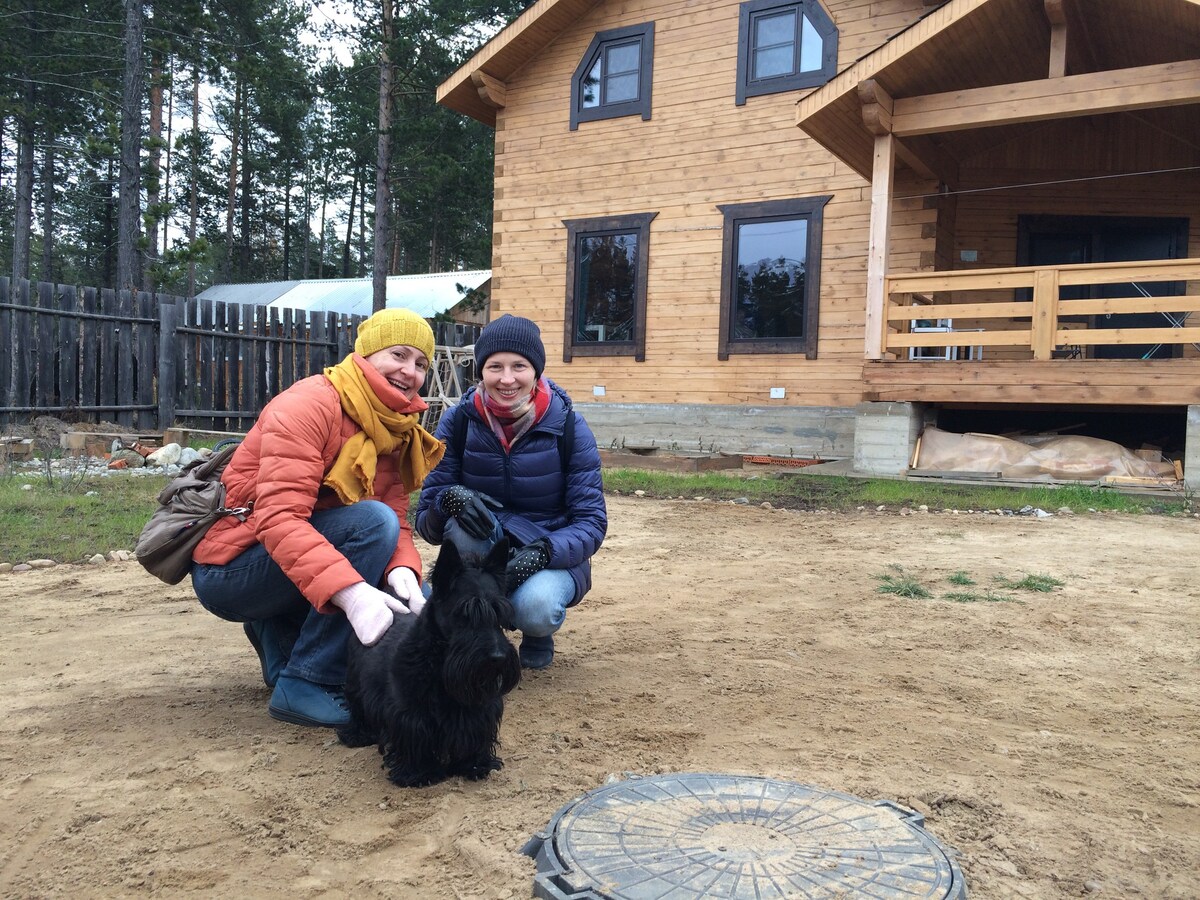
x=431, y=692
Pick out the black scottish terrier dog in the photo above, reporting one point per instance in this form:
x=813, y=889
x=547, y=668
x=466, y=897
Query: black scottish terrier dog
x=431, y=692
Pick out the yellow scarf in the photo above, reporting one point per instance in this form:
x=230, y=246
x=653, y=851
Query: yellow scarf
x=384, y=430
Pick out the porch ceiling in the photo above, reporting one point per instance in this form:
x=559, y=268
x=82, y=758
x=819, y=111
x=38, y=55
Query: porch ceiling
x=972, y=44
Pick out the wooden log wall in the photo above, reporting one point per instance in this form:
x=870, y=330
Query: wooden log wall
x=698, y=150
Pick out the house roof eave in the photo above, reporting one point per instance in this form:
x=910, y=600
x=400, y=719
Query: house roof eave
x=832, y=116
x=510, y=49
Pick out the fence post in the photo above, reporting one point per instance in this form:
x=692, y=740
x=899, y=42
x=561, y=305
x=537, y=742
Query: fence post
x=168, y=318
x=1045, y=313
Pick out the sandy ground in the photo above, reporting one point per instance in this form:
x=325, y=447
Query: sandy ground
x=1054, y=743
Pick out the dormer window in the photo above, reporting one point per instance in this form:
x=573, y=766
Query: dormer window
x=615, y=75
x=784, y=47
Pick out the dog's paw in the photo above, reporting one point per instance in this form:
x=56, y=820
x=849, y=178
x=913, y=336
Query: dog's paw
x=356, y=735
x=414, y=779
x=480, y=769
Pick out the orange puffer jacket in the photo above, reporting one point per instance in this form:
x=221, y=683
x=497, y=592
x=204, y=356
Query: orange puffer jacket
x=280, y=466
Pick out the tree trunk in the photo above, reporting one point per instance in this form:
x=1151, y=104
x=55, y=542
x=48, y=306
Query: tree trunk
x=23, y=214
x=304, y=269
x=194, y=179
x=287, y=219
x=245, y=198
x=128, y=261
x=231, y=198
x=349, y=229
x=361, y=268
x=166, y=219
x=110, y=214
x=153, y=172
x=383, y=162
x=48, y=209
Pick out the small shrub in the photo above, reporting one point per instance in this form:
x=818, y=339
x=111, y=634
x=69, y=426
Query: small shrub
x=961, y=578
x=902, y=586
x=977, y=597
x=1043, y=584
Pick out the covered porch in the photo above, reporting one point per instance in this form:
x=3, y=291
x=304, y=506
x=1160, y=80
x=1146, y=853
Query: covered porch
x=1034, y=169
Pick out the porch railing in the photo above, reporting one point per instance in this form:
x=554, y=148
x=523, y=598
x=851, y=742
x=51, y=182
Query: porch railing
x=1022, y=309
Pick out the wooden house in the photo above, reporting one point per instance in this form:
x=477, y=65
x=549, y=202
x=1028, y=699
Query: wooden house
x=806, y=227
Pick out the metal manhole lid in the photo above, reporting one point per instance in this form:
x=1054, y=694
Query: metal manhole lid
x=736, y=836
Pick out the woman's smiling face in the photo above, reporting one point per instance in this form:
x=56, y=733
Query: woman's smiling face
x=508, y=377
x=404, y=367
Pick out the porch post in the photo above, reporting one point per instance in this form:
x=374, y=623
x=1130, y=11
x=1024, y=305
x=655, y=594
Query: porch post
x=877, y=252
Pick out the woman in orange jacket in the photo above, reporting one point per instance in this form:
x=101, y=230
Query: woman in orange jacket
x=327, y=549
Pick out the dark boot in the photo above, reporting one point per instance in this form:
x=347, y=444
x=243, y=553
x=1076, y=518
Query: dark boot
x=537, y=652
x=270, y=656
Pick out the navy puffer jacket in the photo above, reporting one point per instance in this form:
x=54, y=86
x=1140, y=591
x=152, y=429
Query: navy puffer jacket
x=529, y=481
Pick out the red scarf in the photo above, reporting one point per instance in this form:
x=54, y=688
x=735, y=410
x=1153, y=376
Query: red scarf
x=507, y=422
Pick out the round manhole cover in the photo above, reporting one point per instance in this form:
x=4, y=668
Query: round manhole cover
x=731, y=836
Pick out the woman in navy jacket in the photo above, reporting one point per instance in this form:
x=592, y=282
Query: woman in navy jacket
x=521, y=463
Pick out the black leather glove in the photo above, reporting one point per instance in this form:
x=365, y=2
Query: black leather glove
x=527, y=561
x=471, y=508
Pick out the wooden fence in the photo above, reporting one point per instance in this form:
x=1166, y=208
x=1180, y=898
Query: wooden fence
x=147, y=362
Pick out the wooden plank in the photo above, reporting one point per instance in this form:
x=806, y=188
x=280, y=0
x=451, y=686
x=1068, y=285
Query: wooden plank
x=168, y=363
x=89, y=350
x=109, y=351
x=205, y=388
x=1015, y=338
x=147, y=363
x=877, y=243
x=1093, y=336
x=246, y=398
x=23, y=343
x=1176, y=304
x=220, y=372
x=274, y=371
x=262, y=349
x=998, y=310
x=288, y=350
x=1045, y=320
x=125, y=361
x=7, y=360
x=45, y=336
x=67, y=350
x=1071, y=96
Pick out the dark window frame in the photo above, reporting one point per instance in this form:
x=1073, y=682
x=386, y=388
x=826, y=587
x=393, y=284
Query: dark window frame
x=748, y=87
x=813, y=210
x=579, y=228
x=641, y=106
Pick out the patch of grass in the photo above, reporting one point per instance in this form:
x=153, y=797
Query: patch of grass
x=960, y=578
x=46, y=523
x=791, y=490
x=902, y=586
x=1043, y=584
x=977, y=597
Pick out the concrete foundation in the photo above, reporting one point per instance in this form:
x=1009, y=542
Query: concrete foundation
x=1191, y=453
x=885, y=435
x=803, y=432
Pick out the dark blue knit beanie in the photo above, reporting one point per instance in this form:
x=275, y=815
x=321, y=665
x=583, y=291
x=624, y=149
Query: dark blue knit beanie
x=511, y=334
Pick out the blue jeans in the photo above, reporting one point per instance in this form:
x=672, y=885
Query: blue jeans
x=541, y=602
x=252, y=588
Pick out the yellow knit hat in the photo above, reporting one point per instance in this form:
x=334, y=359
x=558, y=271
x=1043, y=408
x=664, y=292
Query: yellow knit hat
x=392, y=327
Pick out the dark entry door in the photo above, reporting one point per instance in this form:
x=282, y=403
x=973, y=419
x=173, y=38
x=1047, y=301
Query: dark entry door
x=1059, y=240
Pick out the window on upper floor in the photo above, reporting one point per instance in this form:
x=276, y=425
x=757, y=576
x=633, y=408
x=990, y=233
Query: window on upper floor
x=615, y=75
x=606, y=286
x=771, y=277
x=784, y=47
